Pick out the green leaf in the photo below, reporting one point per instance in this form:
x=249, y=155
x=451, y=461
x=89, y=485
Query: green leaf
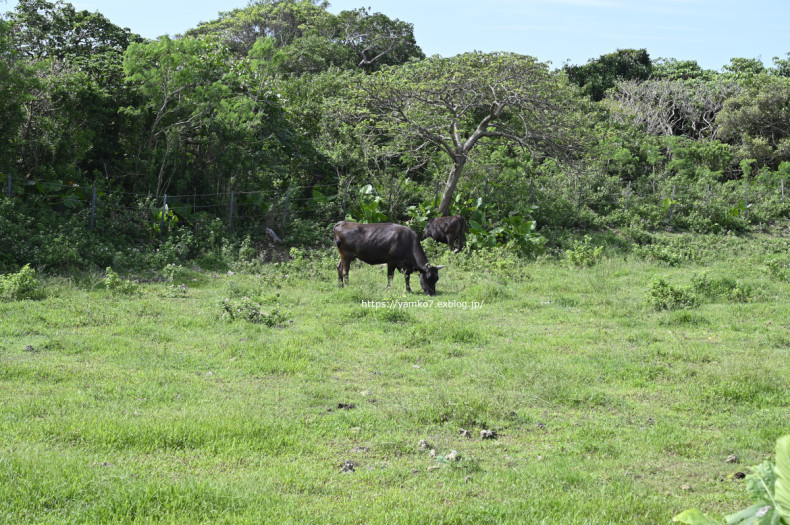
x=71, y=201
x=782, y=471
x=695, y=517
x=475, y=226
x=755, y=514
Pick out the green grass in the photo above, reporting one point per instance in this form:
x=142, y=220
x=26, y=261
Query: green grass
x=152, y=408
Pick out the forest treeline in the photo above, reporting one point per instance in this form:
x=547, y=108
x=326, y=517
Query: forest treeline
x=284, y=93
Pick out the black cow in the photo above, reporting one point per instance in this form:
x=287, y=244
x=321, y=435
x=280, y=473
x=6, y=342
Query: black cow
x=384, y=243
x=447, y=230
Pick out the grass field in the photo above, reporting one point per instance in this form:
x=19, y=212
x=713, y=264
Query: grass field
x=150, y=407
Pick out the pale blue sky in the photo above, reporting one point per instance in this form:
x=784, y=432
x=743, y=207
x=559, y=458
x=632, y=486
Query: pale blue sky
x=708, y=31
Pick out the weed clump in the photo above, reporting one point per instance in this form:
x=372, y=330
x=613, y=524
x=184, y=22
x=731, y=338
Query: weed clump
x=115, y=284
x=247, y=310
x=778, y=268
x=21, y=285
x=664, y=296
x=724, y=287
x=584, y=253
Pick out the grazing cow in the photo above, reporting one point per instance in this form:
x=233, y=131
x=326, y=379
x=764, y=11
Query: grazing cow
x=384, y=243
x=447, y=230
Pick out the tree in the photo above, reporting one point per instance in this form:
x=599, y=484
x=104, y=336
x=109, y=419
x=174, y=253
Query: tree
x=671, y=107
x=76, y=56
x=673, y=69
x=600, y=74
x=208, y=119
x=757, y=121
x=455, y=104
x=375, y=39
x=284, y=21
x=16, y=82
x=310, y=39
x=744, y=68
x=181, y=83
x=59, y=33
x=782, y=66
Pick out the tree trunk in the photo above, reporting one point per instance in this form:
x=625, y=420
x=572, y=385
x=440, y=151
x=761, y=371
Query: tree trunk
x=452, y=182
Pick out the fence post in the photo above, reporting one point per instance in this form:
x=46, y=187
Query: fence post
x=230, y=214
x=93, y=206
x=746, y=201
x=162, y=220
x=707, y=200
x=671, y=204
x=9, y=187
x=627, y=195
x=531, y=190
x=436, y=194
x=783, y=191
x=285, y=211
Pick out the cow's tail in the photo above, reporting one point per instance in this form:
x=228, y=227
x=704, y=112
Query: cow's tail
x=462, y=236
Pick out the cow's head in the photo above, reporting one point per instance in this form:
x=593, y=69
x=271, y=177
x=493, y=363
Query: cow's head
x=428, y=277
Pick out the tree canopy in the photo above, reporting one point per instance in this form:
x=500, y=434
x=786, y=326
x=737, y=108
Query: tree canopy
x=600, y=74
x=454, y=104
x=284, y=92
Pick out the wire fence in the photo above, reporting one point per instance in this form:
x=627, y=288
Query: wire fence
x=276, y=208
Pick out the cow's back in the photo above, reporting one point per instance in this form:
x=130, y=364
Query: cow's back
x=376, y=243
x=445, y=229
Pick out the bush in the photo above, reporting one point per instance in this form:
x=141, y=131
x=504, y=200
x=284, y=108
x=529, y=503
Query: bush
x=724, y=287
x=251, y=312
x=778, y=268
x=673, y=251
x=115, y=284
x=21, y=285
x=584, y=253
x=664, y=296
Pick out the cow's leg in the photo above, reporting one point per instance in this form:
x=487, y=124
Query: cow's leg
x=461, y=239
x=407, y=274
x=390, y=273
x=342, y=270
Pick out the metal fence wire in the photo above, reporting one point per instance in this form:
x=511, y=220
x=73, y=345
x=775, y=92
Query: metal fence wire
x=275, y=207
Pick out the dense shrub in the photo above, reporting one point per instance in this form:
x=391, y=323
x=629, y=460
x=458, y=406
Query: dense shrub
x=664, y=296
x=584, y=253
x=20, y=285
x=248, y=310
x=114, y=284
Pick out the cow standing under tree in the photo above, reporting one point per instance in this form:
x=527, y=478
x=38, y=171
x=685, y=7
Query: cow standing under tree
x=384, y=243
x=447, y=230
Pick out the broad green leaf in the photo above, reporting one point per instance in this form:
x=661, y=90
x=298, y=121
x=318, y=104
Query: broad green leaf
x=782, y=471
x=761, y=483
x=754, y=515
x=695, y=517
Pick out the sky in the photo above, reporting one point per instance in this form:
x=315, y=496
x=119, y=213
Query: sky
x=558, y=31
